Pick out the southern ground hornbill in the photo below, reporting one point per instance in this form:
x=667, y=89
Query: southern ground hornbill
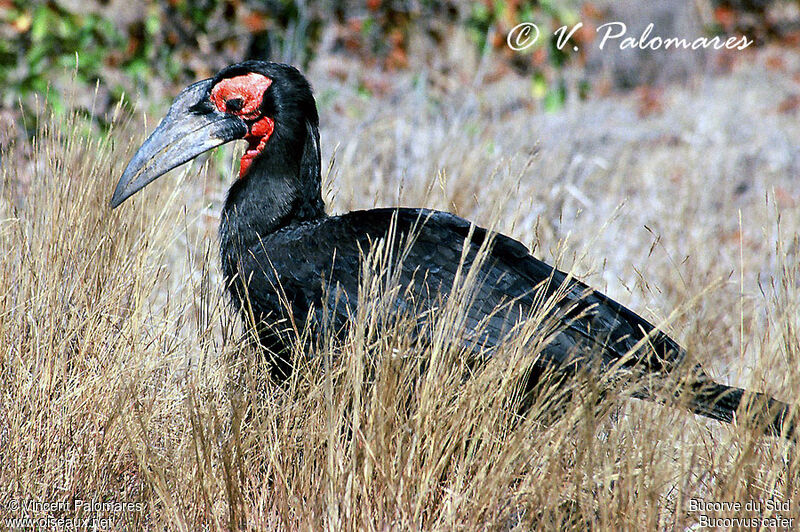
x=281, y=251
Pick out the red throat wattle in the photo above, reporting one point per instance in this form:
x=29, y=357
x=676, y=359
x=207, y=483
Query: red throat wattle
x=247, y=92
x=257, y=138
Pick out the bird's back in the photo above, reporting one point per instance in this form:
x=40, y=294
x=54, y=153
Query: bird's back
x=309, y=274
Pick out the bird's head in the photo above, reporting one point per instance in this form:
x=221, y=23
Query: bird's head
x=270, y=105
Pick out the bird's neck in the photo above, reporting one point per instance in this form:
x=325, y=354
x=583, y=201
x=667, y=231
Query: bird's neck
x=281, y=188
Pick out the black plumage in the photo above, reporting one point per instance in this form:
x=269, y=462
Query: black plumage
x=288, y=264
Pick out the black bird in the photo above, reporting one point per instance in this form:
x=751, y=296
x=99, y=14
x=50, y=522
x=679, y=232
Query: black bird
x=281, y=251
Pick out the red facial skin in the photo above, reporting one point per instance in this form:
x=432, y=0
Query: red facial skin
x=249, y=88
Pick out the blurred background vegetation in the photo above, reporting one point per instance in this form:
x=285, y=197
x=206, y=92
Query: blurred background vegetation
x=149, y=48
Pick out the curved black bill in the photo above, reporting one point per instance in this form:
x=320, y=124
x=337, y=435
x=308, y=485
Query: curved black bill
x=189, y=129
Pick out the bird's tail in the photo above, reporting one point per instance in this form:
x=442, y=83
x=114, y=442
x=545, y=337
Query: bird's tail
x=721, y=402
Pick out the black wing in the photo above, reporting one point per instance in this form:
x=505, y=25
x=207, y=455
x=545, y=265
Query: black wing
x=314, y=269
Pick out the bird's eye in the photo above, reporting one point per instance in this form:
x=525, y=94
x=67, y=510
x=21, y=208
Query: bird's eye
x=234, y=104
x=241, y=95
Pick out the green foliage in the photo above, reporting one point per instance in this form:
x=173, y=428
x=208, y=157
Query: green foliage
x=45, y=42
x=153, y=44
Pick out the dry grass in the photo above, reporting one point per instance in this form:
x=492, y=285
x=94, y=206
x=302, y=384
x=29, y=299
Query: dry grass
x=123, y=378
